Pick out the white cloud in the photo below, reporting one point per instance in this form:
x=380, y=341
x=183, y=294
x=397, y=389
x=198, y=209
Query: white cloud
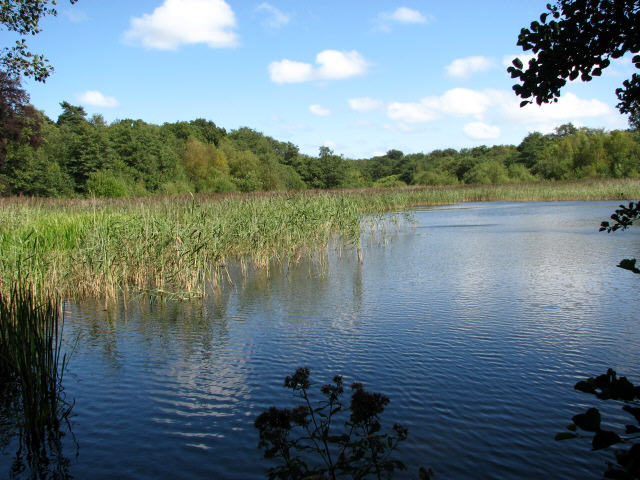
x=181, y=22
x=97, y=99
x=410, y=112
x=501, y=108
x=568, y=108
x=465, y=67
x=407, y=15
x=275, y=18
x=364, y=104
x=337, y=65
x=319, y=110
x=332, y=65
x=403, y=128
x=287, y=71
x=507, y=60
x=400, y=15
x=481, y=131
x=461, y=102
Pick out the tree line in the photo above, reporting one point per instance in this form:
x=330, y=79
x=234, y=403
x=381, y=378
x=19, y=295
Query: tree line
x=79, y=155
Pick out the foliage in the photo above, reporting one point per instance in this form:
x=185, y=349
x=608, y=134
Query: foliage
x=307, y=441
x=23, y=17
x=623, y=218
x=611, y=387
x=578, y=38
x=84, y=156
x=15, y=116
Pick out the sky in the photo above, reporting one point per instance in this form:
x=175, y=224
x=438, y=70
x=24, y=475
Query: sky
x=359, y=76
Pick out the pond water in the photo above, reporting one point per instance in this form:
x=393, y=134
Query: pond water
x=476, y=321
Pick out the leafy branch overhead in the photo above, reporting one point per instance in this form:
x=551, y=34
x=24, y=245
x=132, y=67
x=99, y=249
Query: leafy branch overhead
x=579, y=38
x=24, y=17
x=611, y=387
x=623, y=218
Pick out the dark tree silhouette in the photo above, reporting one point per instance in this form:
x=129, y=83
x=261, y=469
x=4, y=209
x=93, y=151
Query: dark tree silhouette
x=15, y=114
x=578, y=38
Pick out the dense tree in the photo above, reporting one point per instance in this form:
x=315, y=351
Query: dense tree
x=578, y=38
x=15, y=114
x=23, y=17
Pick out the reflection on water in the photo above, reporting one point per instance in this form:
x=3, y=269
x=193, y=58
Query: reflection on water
x=476, y=323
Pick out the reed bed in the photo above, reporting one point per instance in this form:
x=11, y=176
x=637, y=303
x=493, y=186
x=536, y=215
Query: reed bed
x=31, y=372
x=103, y=248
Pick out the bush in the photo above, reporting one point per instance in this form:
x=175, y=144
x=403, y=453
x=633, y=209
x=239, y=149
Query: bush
x=431, y=177
x=305, y=444
x=111, y=184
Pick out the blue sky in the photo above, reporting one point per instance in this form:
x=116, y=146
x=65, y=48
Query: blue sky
x=360, y=76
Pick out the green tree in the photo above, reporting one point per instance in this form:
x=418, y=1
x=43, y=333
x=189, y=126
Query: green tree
x=578, y=38
x=23, y=17
x=15, y=115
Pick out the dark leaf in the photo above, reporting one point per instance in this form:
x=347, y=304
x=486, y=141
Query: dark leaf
x=604, y=439
x=588, y=421
x=585, y=386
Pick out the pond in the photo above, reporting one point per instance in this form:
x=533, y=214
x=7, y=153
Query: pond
x=476, y=321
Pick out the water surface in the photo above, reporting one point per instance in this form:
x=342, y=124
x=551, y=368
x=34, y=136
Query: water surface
x=477, y=321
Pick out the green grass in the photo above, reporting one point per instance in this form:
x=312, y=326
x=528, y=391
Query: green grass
x=102, y=248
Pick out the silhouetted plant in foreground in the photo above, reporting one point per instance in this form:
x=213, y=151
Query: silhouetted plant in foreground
x=623, y=218
x=611, y=387
x=32, y=404
x=330, y=440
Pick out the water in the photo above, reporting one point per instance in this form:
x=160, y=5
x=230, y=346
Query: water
x=476, y=322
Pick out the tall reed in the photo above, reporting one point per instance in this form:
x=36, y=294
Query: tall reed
x=105, y=248
x=31, y=370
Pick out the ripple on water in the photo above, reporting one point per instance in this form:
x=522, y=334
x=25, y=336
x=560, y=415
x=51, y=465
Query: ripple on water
x=476, y=329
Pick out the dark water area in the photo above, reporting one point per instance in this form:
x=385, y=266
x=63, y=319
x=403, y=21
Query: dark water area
x=476, y=321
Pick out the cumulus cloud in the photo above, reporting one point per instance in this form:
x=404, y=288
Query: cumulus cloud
x=275, y=18
x=287, y=71
x=481, y=131
x=401, y=15
x=364, y=104
x=461, y=102
x=500, y=107
x=336, y=65
x=465, y=67
x=319, y=110
x=331, y=65
x=568, y=107
x=410, y=112
x=95, y=98
x=182, y=22
x=406, y=15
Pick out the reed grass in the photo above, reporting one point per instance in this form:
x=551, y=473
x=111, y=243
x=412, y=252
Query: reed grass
x=31, y=372
x=103, y=248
